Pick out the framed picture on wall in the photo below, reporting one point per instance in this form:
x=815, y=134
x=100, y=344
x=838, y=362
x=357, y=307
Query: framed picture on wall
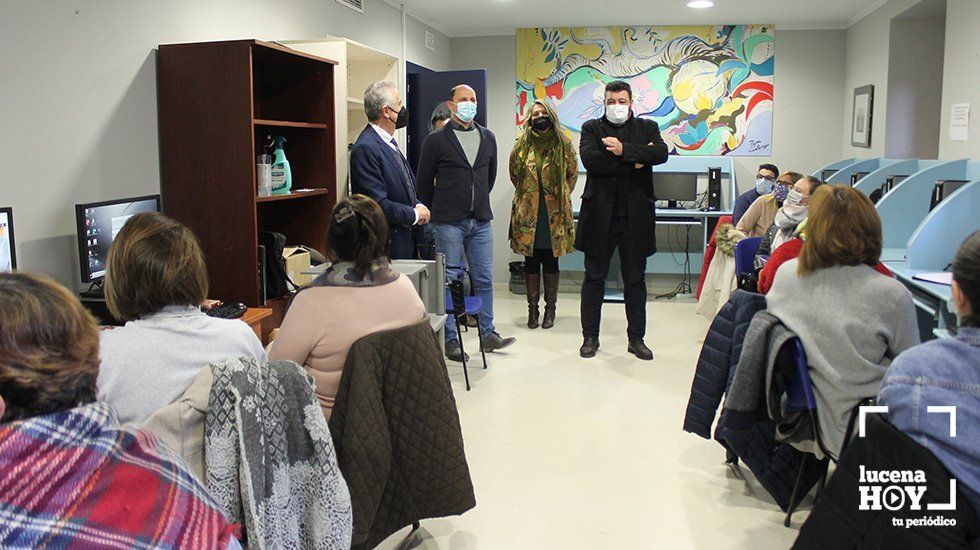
x=862, y=116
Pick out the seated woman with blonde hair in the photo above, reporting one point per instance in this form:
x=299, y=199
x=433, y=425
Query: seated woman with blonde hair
x=156, y=281
x=852, y=321
x=70, y=476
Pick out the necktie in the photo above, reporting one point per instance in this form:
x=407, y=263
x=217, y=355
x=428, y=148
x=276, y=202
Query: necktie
x=406, y=171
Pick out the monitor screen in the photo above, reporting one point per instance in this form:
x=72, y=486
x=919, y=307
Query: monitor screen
x=8, y=255
x=99, y=223
x=674, y=186
x=857, y=176
x=892, y=181
x=827, y=174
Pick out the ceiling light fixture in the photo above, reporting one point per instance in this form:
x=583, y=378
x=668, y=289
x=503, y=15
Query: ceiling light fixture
x=700, y=4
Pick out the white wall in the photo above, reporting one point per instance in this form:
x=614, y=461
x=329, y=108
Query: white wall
x=78, y=95
x=915, y=85
x=961, y=76
x=866, y=62
x=806, y=120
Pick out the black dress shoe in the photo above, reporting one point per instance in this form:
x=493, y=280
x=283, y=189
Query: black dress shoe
x=493, y=342
x=589, y=347
x=454, y=352
x=639, y=349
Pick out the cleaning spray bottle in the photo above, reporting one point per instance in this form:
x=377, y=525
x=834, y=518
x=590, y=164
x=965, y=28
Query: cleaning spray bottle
x=282, y=176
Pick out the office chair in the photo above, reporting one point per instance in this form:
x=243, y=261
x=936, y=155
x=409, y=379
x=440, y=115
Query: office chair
x=458, y=305
x=745, y=255
x=799, y=398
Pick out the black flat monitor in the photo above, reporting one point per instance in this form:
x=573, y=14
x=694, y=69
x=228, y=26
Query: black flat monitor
x=857, y=176
x=943, y=189
x=98, y=224
x=675, y=187
x=8, y=252
x=892, y=181
x=827, y=174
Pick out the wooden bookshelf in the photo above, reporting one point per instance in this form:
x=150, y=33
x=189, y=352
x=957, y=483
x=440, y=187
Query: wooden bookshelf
x=218, y=102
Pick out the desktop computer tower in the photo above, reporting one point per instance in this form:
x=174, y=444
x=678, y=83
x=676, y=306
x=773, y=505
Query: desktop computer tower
x=714, y=189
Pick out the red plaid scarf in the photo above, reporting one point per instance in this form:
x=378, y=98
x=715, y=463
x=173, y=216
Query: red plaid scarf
x=77, y=480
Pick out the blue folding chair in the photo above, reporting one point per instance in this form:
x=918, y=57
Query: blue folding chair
x=745, y=250
x=800, y=399
x=459, y=304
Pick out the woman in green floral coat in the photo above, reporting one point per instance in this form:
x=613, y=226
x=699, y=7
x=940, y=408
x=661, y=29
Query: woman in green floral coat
x=544, y=170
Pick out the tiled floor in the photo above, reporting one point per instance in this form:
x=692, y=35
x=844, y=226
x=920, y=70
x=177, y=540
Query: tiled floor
x=567, y=453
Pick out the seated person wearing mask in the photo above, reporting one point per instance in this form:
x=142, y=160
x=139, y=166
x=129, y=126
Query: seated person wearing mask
x=156, y=281
x=764, y=180
x=945, y=372
x=788, y=220
x=853, y=323
x=762, y=212
x=70, y=476
x=359, y=294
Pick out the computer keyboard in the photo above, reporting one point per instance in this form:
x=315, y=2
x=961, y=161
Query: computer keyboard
x=227, y=311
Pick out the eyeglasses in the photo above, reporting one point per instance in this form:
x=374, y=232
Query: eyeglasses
x=786, y=183
x=767, y=178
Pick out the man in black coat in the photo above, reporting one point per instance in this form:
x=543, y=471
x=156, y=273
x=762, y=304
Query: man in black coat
x=617, y=211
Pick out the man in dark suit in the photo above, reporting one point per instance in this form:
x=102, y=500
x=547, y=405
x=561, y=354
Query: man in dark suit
x=457, y=169
x=617, y=211
x=379, y=170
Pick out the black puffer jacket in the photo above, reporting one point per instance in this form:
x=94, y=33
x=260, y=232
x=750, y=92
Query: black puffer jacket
x=719, y=354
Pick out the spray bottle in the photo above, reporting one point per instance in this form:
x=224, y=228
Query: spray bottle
x=282, y=176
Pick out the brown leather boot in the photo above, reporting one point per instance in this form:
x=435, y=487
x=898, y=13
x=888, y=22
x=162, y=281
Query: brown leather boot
x=550, y=299
x=533, y=283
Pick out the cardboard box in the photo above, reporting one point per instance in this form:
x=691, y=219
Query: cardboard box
x=297, y=262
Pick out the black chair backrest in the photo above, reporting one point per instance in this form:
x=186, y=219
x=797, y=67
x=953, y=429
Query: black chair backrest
x=457, y=293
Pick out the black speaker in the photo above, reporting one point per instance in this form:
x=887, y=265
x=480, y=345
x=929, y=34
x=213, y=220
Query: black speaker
x=714, y=189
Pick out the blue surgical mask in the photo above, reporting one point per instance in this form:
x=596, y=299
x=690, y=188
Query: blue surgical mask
x=780, y=192
x=466, y=111
x=763, y=186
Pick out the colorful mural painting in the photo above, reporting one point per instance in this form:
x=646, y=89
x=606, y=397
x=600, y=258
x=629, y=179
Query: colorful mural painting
x=710, y=88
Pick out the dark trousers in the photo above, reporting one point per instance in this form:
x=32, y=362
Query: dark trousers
x=634, y=283
x=543, y=258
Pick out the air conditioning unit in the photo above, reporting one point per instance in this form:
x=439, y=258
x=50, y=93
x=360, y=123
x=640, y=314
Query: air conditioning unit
x=356, y=5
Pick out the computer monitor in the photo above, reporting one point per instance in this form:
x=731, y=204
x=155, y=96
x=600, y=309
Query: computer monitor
x=892, y=181
x=827, y=174
x=98, y=224
x=943, y=189
x=8, y=253
x=857, y=176
x=675, y=187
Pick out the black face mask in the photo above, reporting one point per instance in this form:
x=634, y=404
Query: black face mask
x=402, y=118
x=542, y=124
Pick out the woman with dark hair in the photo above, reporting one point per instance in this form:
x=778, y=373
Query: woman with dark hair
x=359, y=294
x=852, y=321
x=544, y=170
x=946, y=373
x=70, y=476
x=156, y=281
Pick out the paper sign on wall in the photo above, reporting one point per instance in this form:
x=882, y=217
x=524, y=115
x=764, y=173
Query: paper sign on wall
x=959, y=122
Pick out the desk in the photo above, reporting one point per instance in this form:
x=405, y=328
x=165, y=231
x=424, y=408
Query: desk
x=932, y=299
x=253, y=318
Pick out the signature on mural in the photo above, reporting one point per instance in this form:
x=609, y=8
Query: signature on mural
x=708, y=87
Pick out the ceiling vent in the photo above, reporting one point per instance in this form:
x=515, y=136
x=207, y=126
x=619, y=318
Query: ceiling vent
x=356, y=5
x=430, y=41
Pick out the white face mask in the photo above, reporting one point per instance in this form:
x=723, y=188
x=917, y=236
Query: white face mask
x=793, y=198
x=617, y=114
